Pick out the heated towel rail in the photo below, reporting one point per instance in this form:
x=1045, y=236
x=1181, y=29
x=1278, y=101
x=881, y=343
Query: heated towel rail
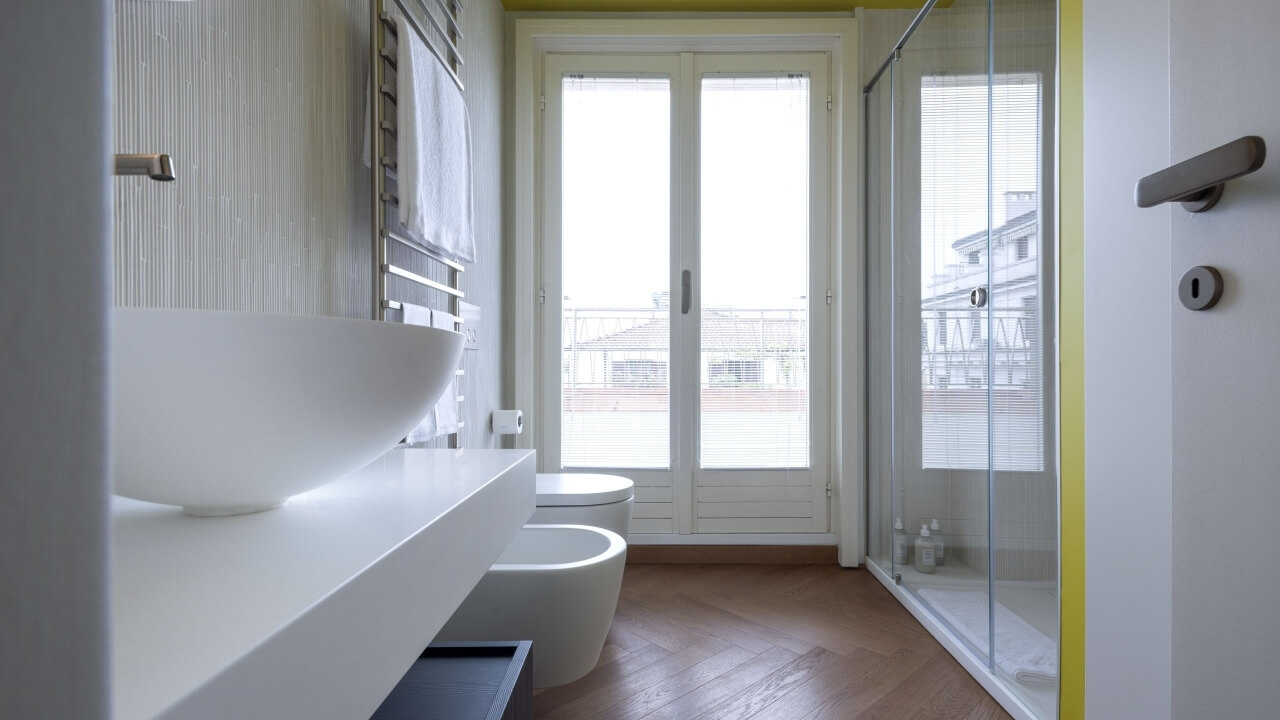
x=430, y=272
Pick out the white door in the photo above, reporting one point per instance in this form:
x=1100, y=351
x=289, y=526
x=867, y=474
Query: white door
x=686, y=319
x=1226, y=372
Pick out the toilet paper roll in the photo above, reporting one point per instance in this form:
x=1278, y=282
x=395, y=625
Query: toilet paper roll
x=508, y=422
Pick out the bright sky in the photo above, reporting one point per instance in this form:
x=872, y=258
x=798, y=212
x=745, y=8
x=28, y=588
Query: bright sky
x=754, y=191
x=953, y=158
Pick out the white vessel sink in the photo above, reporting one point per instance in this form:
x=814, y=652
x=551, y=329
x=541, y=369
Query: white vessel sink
x=226, y=413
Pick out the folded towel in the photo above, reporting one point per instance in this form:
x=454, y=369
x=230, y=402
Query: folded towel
x=434, y=136
x=447, y=406
x=1021, y=650
x=443, y=418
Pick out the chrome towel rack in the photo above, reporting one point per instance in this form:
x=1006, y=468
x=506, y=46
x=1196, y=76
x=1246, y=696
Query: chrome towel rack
x=436, y=23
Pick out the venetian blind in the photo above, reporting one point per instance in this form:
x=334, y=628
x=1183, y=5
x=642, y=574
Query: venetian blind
x=980, y=219
x=615, y=246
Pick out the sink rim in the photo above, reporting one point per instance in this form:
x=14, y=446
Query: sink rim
x=188, y=420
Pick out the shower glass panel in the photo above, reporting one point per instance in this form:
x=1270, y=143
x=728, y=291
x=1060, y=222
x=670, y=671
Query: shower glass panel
x=942, y=276
x=960, y=250
x=1023, y=434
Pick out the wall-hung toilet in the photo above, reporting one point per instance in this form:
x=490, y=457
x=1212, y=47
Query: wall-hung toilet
x=602, y=501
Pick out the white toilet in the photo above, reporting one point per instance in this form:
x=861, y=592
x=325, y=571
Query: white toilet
x=602, y=501
x=557, y=583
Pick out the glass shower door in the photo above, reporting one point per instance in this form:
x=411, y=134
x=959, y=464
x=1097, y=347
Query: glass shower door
x=944, y=262
x=1023, y=435
x=961, y=314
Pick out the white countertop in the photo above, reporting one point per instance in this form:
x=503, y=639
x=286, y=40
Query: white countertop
x=314, y=609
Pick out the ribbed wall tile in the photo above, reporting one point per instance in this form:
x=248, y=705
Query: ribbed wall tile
x=262, y=105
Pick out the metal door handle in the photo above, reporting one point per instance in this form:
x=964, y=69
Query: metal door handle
x=978, y=297
x=686, y=285
x=1198, y=183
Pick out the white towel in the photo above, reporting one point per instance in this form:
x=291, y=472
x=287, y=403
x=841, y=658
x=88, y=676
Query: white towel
x=447, y=406
x=443, y=418
x=434, y=136
x=1021, y=650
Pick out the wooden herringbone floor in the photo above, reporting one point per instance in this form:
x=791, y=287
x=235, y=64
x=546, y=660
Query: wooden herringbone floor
x=766, y=642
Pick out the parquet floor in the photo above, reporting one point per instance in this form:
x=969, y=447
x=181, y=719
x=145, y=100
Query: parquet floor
x=767, y=642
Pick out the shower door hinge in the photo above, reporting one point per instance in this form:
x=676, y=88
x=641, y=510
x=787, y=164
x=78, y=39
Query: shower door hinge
x=828, y=102
x=542, y=103
x=828, y=488
x=542, y=297
x=831, y=297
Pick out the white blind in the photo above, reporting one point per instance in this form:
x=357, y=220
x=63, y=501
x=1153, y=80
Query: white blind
x=959, y=252
x=615, y=245
x=754, y=399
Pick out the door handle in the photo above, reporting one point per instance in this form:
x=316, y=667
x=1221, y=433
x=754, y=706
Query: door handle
x=978, y=297
x=686, y=286
x=1198, y=183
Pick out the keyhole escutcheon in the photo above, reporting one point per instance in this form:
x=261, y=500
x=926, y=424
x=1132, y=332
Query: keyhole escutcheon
x=1200, y=288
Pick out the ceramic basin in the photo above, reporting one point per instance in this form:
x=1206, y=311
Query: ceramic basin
x=227, y=413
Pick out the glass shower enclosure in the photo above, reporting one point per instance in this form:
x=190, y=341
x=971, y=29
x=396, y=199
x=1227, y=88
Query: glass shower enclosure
x=962, y=467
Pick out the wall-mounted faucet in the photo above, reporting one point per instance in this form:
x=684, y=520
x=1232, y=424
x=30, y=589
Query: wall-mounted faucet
x=154, y=166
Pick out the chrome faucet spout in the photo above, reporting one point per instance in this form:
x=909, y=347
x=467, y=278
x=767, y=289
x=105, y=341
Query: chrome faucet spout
x=156, y=166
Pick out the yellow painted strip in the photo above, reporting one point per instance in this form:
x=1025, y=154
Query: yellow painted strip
x=1071, y=350
x=708, y=5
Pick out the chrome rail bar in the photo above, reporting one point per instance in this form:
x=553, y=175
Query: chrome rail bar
x=447, y=37
x=451, y=15
x=451, y=64
x=897, y=49
x=428, y=282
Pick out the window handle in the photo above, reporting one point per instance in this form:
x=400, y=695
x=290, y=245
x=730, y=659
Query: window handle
x=686, y=284
x=1198, y=183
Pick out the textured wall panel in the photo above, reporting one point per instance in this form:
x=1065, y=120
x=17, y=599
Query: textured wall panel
x=262, y=105
x=483, y=24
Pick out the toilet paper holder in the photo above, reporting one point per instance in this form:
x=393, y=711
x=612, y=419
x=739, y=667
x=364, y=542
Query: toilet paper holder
x=507, y=422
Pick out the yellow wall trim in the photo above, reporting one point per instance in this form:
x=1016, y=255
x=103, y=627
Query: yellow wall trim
x=1071, y=355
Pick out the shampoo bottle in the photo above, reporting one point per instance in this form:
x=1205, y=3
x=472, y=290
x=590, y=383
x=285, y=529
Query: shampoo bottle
x=925, y=562
x=900, y=546
x=939, y=543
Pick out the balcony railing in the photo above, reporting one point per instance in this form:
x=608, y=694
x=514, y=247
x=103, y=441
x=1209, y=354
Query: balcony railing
x=954, y=343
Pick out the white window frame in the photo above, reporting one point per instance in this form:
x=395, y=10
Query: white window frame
x=534, y=37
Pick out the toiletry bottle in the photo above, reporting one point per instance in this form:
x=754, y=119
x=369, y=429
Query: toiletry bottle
x=939, y=543
x=924, y=552
x=900, y=544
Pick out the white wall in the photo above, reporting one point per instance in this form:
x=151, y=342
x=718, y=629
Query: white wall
x=1128, y=464
x=53, y=304
x=263, y=106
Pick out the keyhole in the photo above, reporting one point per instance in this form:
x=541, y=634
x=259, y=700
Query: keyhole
x=1200, y=288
